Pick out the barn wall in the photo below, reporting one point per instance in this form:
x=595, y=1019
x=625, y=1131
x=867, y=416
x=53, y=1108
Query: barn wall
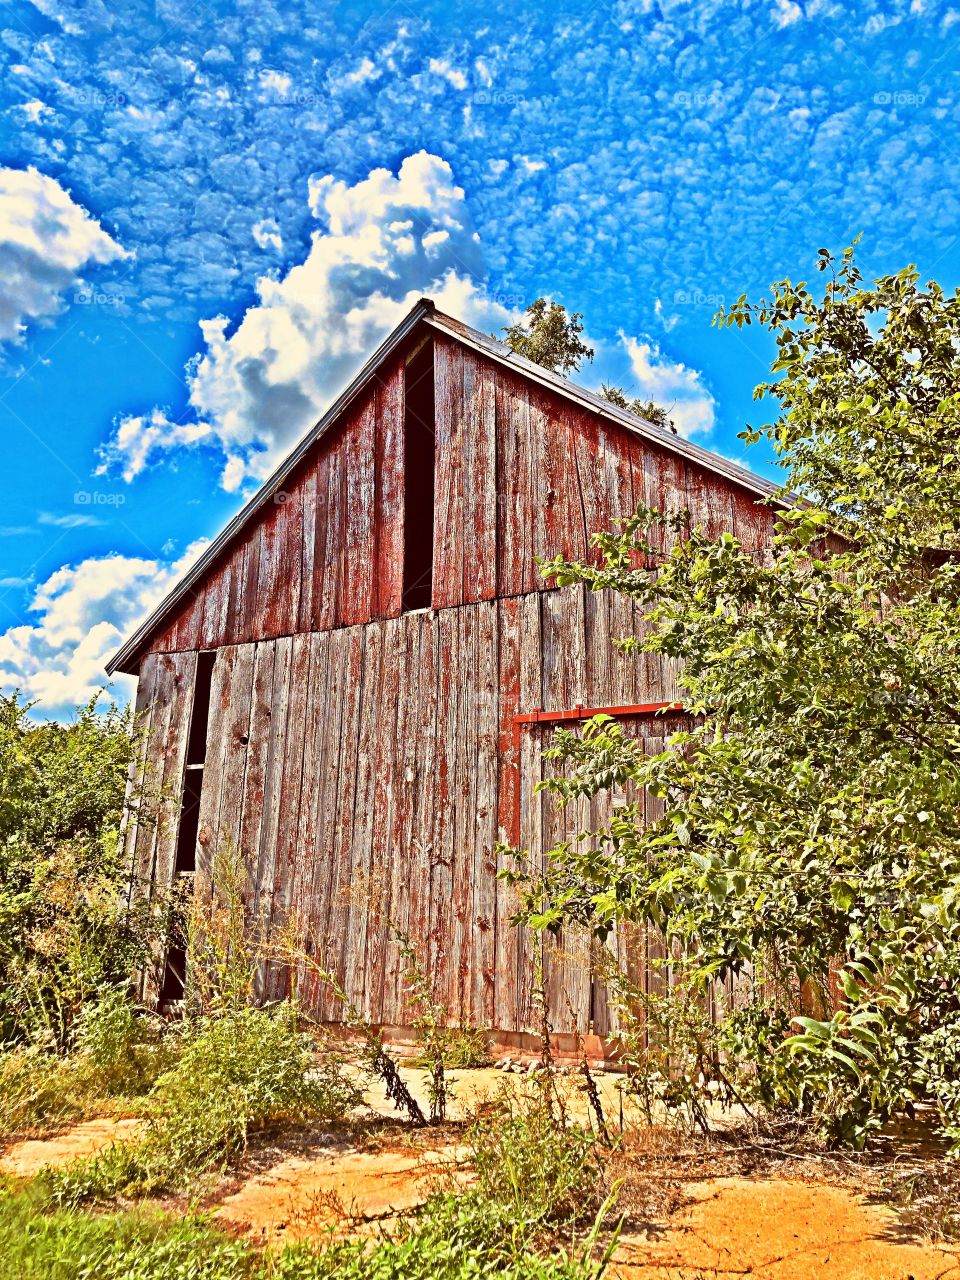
x=520, y=472
x=328, y=550
x=366, y=774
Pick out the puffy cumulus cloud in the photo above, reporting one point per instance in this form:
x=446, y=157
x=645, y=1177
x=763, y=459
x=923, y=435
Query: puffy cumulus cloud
x=138, y=436
x=83, y=613
x=679, y=389
x=383, y=242
x=46, y=240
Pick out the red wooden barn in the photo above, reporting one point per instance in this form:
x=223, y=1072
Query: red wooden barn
x=354, y=684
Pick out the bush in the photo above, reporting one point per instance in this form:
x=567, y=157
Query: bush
x=235, y=1074
x=118, y=1053
x=65, y=930
x=532, y=1160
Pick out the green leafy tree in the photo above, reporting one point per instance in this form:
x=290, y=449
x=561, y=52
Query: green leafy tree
x=550, y=337
x=654, y=413
x=65, y=931
x=811, y=827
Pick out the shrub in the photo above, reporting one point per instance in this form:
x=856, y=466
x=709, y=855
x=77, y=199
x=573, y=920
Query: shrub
x=65, y=929
x=532, y=1160
x=235, y=1074
x=118, y=1053
x=118, y=1049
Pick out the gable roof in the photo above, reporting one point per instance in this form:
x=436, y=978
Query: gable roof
x=425, y=312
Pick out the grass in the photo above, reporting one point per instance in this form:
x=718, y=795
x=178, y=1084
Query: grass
x=451, y=1237
x=530, y=1158
x=117, y=1054
x=927, y=1198
x=38, y=1242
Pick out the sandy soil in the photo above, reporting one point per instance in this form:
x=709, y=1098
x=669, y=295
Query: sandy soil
x=29, y=1156
x=781, y=1230
x=325, y=1184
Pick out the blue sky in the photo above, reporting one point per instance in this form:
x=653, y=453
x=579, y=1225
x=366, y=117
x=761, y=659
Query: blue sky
x=210, y=213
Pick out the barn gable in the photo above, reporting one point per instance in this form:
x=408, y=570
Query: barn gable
x=369, y=517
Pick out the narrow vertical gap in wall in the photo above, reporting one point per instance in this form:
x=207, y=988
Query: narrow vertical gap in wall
x=419, y=478
x=185, y=862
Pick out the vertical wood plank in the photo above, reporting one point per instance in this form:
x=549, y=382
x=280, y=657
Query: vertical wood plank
x=388, y=510
x=452, y=443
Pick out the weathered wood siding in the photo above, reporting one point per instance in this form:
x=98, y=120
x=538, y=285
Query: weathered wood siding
x=155, y=784
x=367, y=773
x=326, y=553
x=520, y=472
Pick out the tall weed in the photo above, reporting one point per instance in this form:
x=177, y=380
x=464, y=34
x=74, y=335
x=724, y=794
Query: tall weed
x=532, y=1159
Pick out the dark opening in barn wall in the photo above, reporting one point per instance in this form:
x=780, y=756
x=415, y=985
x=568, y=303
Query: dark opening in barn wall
x=419, y=480
x=185, y=864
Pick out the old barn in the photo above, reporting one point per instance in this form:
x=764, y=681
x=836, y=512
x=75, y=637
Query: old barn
x=353, y=686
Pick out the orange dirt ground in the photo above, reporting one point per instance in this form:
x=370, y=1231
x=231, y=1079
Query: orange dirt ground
x=24, y=1159
x=781, y=1230
x=778, y=1229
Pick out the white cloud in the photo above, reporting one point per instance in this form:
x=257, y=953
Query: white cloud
x=75, y=520
x=441, y=67
x=266, y=232
x=46, y=240
x=137, y=437
x=256, y=387
x=668, y=321
x=276, y=83
x=367, y=70
x=679, y=389
x=786, y=12
x=84, y=612
x=34, y=110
